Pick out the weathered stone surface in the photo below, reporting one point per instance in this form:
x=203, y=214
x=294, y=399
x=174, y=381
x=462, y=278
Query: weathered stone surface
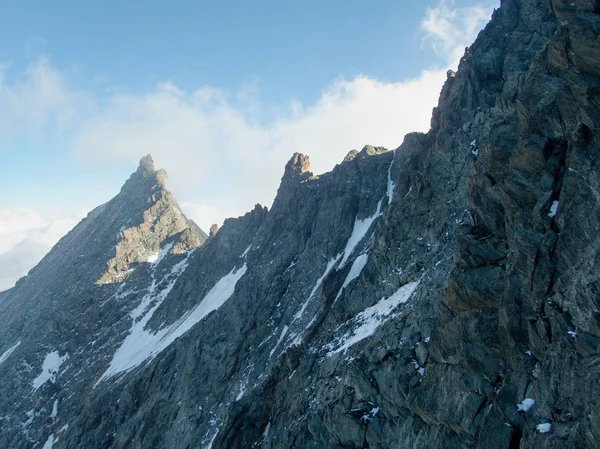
x=411, y=298
x=161, y=222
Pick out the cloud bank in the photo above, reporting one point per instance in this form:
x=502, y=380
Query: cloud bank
x=40, y=101
x=449, y=30
x=224, y=151
x=210, y=145
x=25, y=237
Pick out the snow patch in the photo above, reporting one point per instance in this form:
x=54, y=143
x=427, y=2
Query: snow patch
x=329, y=267
x=367, y=417
x=157, y=297
x=418, y=368
x=266, y=431
x=298, y=338
x=525, y=404
x=355, y=270
x=142, y=345
x=390, y=183
x=474, y=149
x=30, y=416
x=54, y=413
x=281, y=337
x=156, y=258
x=9, y=351
x=361, y=227
x=50, y=367
x=544, y=427
x=370, y=319
x=244, y=382
x=216, y=426
x=553, y=209
x=50, y=442
x=246, y=251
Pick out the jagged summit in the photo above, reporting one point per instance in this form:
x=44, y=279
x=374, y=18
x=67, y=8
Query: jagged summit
x=297, y=167
x=151, y=219
x=370, y=150
x=296, y=171
x=145, y=178
x=367, y=150
x=441, y=295
x=146, y=169
x=146, y=164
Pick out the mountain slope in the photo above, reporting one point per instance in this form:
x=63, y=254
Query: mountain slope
x=440, y=295
x=63, y=315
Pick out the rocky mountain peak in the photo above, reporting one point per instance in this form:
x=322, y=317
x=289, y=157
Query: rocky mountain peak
x=297, y=167
x=350, y=155
x=150, y=220
x=145, y=179
x=146, y=164
x=443, y=295
x=296, y=171
x=370, y=150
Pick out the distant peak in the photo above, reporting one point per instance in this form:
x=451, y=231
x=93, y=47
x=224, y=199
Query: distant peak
x=297, y=166
x=145, y=177
x=150, y=221
x=351, y=155
x=296, y=171
x=146, y=164
x=370, y=150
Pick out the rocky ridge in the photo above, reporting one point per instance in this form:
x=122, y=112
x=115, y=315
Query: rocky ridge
x=440, y=295
x=61, y=311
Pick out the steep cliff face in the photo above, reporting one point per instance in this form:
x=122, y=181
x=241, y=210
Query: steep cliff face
x=65, y=315
x=441, y=295
x=519, y=318
x=261, y=276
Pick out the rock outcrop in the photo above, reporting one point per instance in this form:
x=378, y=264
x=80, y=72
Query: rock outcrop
x=443, y=294
x=159, y=222
x=71, y=306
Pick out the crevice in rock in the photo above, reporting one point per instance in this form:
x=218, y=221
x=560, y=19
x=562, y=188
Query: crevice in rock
x=515, y=438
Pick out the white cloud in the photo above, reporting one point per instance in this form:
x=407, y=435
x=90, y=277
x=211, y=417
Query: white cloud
x=40, y=101
x=210, y=145
x=449, y=30
x=25, y=237
x=205, y=216
x=223, y=159
x=221, y=155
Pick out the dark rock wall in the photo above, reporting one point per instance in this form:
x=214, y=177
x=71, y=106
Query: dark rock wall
x=519, y=317
x=60, y=306
x=484, y=231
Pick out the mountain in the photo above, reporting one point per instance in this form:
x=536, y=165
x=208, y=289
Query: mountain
x=443, y=294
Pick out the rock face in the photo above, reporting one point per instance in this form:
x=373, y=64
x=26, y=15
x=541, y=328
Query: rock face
x=440, y=295
x=158, y=221
x=73, y=305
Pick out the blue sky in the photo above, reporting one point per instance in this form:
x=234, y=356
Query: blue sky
x=275, y=44
x=217, y=92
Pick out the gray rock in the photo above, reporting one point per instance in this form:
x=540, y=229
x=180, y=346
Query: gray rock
x=415, y=296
